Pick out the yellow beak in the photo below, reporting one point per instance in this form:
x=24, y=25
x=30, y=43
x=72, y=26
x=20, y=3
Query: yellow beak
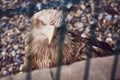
x=50, y=32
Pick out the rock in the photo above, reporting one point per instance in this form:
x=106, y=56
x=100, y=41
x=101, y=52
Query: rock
x=84, y=35
x=21, y=67
x=9, y=46
x=87, y=30
x=23, y=36
x=3, y=53
x=69, y=5
x=39, y=6
x=82, y=6
x=18, y=51
x=21, y=26
x=1, y=45
x=79, y=25
x=83, y=19
x=17, y=30
x=2, y=24
x=99, y=37
x=18, y=58
x=1, y=75
x=115, y=36
x=3, y=42
x=10, y=69
x=1, y=34
x=70, y=16
x=109, y=40
x=13, y=53
x=15, y=47
x=100, y=17
x=109, y=35
x=78, y=13
x=15, y=64
x=1, y=57
x=5, y=72
x=4, y=18
x=108, y=17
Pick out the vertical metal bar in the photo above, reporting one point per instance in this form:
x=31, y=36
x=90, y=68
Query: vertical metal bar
x=85, y=1
x=90, y=42
x=31, y=8
x=61, y=40
x=117, y=51
x=29, y=58
x=28, y=76
x=89, y=53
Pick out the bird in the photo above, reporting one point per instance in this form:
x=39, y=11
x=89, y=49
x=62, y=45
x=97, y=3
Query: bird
x=42, y=42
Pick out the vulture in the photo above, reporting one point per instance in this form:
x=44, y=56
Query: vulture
x=42, y=42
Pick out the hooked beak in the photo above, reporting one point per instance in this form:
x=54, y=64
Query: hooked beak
x=50, y=33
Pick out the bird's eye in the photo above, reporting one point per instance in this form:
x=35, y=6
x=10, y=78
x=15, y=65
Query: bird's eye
x=42, y=23
x=58, y=29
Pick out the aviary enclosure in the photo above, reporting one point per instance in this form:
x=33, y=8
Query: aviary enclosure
x=84, y=30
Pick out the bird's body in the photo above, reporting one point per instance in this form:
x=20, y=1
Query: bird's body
x=45, y=55
x=43, y=45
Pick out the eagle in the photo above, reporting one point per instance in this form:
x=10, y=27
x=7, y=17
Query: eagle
x=42, y=42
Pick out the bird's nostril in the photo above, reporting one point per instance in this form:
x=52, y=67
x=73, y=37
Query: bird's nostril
x=58, y=29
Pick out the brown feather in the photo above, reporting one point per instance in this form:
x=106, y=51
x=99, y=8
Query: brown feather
x=45, y=55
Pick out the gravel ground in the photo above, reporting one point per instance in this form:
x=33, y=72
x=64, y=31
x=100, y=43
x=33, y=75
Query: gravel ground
x=12, y=36
x=13, y=29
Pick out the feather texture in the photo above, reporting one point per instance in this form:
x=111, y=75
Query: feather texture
x=45, y=55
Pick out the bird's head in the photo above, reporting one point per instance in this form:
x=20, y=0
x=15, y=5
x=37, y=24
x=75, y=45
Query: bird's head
x=45, y=23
